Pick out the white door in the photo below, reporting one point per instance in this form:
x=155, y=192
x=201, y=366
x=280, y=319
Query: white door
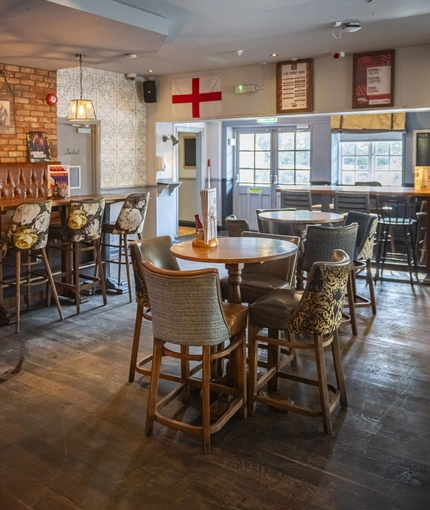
x=77, y=147
x=264, y=159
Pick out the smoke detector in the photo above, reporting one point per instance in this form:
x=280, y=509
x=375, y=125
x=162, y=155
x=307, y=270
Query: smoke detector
x=351, y=27
x=345, y=26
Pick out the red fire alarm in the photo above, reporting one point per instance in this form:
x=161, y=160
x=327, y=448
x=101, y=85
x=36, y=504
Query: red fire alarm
x=51, y=99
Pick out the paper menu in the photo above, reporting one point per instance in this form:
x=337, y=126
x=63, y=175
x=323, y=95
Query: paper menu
x=59, y=181
x=209, y=216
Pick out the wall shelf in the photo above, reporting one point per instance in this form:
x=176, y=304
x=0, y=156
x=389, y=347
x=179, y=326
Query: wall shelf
x=171, y=185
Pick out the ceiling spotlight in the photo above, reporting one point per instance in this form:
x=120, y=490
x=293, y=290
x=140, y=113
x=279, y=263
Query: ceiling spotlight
x=239, y=53
x=150, y=71
x=273, y=54
x=131, y=55
x=175, y=141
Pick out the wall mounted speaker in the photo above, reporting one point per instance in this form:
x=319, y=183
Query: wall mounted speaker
x=149, y=92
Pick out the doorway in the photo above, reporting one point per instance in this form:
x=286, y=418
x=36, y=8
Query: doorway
x=79, y=147
x=189, y=165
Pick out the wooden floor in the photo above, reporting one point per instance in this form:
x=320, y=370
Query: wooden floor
x=72, y=427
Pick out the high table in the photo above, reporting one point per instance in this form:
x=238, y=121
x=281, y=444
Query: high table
x=301, y=217
x=233, y=251
x=423, y=194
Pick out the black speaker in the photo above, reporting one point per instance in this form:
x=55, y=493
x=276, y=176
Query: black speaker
x=149, y=92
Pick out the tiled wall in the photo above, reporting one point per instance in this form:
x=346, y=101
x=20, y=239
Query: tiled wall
x=32, y=112
x=119, y=106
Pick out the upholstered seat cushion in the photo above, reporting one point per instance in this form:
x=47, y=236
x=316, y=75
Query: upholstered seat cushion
x=236, y=316
x=255, y=285
x=274, y=310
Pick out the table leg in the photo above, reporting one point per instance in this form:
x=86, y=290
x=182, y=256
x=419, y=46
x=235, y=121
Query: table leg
x=234, y=279
x=426, y=279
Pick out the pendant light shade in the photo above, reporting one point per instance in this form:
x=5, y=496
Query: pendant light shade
x=81, y=109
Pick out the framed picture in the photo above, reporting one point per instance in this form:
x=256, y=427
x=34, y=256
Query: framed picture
x=190, y=157
x=294, y=81
x=373, y=79
x=38, y=146
x=7, y=115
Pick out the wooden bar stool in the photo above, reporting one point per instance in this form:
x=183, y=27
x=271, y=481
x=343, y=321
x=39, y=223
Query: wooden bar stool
x=27, y=237
x=80, y=235
x=130, y=221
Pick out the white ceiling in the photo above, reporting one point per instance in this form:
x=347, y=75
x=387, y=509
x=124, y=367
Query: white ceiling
x=193, y=35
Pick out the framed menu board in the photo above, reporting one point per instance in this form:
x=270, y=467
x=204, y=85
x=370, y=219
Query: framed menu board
x=373, y=79
x=294, y=86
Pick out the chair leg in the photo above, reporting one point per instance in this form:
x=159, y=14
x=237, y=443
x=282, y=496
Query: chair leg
x=127, y=267
x=185, y=375
x=351, y=302
x=18, y=292
x=206, y=423
x=338, y=368
x=76, y=277
x=241, y=374
x=322, y=383
x=153, y=386
x=273, y=357
x=99, y=263
x=253, y=367
x=136, y=341
x=51, y=282
x=369, y=280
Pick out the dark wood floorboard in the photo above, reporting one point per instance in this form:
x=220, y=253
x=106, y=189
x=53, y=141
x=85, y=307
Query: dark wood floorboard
x=72, y=427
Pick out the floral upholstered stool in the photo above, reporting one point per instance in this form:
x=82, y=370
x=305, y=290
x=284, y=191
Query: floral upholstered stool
x=27, y=238
x=82, y=233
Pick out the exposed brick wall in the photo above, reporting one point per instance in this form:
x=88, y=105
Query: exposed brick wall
x=32, y=112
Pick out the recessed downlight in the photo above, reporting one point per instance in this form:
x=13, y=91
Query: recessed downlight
x=273, y=54
x=150, y=71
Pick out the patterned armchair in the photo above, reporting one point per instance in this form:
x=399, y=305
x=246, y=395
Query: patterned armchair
x=316, y=313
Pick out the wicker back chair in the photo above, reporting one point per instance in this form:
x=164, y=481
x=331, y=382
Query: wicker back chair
x=235, y=226
x=187, y=311
x=320, y=244
x=157, y=251
x=367, y=226
x=318, y=313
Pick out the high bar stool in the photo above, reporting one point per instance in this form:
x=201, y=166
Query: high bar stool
x=81, y=234
x=130, y=221
x=28, y=235
x=396, y=214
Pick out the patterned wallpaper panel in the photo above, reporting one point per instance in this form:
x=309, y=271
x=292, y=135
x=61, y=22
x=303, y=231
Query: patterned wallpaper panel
x=121, y=110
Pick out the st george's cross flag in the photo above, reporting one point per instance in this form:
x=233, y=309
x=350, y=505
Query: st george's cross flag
x=197, y=98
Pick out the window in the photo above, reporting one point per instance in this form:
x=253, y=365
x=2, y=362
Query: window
x=294, y=158
x=262, y=154
x=380, y=160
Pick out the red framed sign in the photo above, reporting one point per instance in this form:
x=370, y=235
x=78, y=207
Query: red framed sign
x=373, y=79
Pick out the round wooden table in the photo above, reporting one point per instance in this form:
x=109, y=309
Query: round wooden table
x=233, y=251
x=302, y=217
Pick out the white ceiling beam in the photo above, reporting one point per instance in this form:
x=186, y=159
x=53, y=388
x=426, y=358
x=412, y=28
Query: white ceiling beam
x=119, y=12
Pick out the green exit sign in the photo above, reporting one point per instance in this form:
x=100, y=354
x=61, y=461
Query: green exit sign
x=267, y=120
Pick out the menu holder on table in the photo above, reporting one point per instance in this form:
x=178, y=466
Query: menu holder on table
x=207, y=230
x=59, y=181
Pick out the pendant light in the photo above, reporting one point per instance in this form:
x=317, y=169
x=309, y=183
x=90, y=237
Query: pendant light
x=81, y=109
